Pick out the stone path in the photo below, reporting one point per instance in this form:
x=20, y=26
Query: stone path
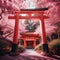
x=29, y=55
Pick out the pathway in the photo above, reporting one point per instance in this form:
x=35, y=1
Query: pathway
x=29, y=55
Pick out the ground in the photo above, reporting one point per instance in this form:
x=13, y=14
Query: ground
x=29, y=55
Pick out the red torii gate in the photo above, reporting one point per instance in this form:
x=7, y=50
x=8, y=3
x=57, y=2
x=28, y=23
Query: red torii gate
x=39, y=15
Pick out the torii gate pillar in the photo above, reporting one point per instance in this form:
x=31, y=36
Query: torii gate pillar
x=44, y=40
x=14, y=51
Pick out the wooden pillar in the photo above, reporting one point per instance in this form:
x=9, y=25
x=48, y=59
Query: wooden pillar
x=25, y=43
x=34, y=45
x=44, y=40
x=15, y=37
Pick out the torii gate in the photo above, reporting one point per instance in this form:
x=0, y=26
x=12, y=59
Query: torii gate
x=39, y=15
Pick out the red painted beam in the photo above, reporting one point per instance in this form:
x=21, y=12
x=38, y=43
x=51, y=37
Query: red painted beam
x=11, y=17
x=28, y=17
x=31, y=12
x=30, y=35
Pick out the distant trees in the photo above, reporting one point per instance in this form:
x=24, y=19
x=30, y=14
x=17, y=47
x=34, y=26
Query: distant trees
x=31, y=26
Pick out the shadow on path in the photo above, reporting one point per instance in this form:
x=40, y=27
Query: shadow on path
x=28, y=57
